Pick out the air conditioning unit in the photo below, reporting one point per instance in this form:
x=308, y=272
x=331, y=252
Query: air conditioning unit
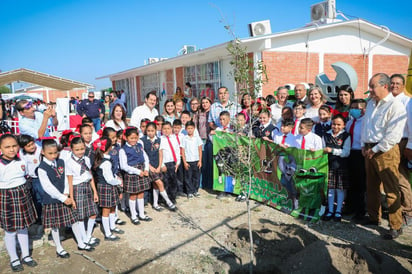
x=323, y=12
x=260, y=28
x=153, y=60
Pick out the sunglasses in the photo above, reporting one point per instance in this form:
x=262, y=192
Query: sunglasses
x=28, y=105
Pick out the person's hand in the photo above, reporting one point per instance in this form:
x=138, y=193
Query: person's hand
x=152, y=169
x=363, y=152
x=177, y=167
x=146, y=173
x=95, y=198
x=327, y=150
x=163, y=169
x=141, y=174
x=186, y=165
x=68, y=201
x=199, y=164
x=370, y=154
x=47, y=113
x=157, y=170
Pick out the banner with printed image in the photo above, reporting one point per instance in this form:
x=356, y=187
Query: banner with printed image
x=291, y=180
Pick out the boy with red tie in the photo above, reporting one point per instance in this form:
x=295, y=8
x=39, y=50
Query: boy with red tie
x=307, y=139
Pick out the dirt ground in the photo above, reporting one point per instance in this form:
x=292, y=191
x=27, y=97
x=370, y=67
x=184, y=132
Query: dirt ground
x=207, y=235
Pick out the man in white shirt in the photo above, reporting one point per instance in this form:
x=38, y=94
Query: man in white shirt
x=147, y=110
x=382, y=129
x=398, y=90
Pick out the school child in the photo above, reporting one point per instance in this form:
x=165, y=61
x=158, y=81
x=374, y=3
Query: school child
x=58, y=207
x=192, y=159
x=30, y=153
x=256, y=108
x=114, y=159
x=299, y=109
x=135, y=165
x=169, y=156
x=159, y=120
x=180, y=174
x=151, y=146
x=266, y=130
x=86, y=134
x=82, y=189
x=88, y=121
x=286, y=138
x=287, y=114
x=337, y=144
x=307, y=139
x=169, y=111
x=107, y=187
x=356, y=161
x=64, y=147
x=324, y=124
x=224, y=118
x=17, y=210
x=241, y=127
x=142, y=129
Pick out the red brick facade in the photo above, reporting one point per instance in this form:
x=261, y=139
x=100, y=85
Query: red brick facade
x=54, y=94
x=390, y=64
x=180, y=78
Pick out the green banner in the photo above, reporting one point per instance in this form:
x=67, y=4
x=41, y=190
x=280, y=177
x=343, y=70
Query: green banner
x=291, y=180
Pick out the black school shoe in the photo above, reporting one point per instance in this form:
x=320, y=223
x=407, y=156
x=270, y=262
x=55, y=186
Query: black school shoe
x=63, y=254
x=392, y=234
x=30, y=263
x=17, y=267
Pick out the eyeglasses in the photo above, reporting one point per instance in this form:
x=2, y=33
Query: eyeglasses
x=194, y=103
x=28, y=105
x=91, y=96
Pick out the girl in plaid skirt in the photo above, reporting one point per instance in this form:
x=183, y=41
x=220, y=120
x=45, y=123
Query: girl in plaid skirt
x=17, y=211
x=82, y=189
x=57, y=205
x=151, y=146
x=107, y=186
x=135, y=165
x=337, y=144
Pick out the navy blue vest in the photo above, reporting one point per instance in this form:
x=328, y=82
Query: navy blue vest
x=114, y=158
x=321, y=130
x=99, y=173
x=134, y=154
x=152, y=150
x=336, y=162
x=90, y=153
x=56, y=177
x=267, y=131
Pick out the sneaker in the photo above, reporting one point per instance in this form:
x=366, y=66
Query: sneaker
x=117, y=231
x=392, y=234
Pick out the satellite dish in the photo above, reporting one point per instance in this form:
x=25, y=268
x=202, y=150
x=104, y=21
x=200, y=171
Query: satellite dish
x=317, y=12
x=259, y=29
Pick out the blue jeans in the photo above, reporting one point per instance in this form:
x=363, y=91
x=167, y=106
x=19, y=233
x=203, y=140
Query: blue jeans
x=96, y=123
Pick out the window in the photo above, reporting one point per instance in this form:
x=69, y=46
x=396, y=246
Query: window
x=200, y=75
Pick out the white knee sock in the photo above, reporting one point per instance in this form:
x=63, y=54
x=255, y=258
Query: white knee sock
x=132, y=206
x=140, y=205
x=10, y=240
x=331, y=200
x=56, y=239
x=76, y=228
x=90, y=227
x=155, y=197
x=23, y=238
x=340, y=197
x=82, y=231
x=106, y=226
x=112, y=220
x=164, y=195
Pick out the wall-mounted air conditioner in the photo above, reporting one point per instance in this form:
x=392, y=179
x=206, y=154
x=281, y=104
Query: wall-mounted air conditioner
x=260, y=28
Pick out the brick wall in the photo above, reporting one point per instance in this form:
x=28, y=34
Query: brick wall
x=180, y=80
x=169, y=84
x=54, y=94
x=390, y=64
x=289, y=67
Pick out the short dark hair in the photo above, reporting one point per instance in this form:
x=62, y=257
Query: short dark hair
x=339, y=116
x=224, y=113
x=185, y=112
x=87, y=120
x=24, y=140
x=307, y=122
x=167, y=123
x=177, y=122
x=299, y=103
x=287, y=123
x=397, y=75
x=153, y=92
x=190, y=124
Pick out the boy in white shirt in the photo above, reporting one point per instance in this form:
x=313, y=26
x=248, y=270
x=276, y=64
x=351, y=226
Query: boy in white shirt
x=307, y=139
x=286, y=139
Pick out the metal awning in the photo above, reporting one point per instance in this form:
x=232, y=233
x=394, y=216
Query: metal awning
x=41, y=79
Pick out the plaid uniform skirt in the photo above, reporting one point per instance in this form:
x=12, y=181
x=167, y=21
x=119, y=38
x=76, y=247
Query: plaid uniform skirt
x=154, y=176
x=108, y=195
x=83, y=196
x=16, y=208
x=58, y=215
x=338, y=178
x=134, y=183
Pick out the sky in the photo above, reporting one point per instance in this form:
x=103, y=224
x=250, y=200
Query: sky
x=85, y=39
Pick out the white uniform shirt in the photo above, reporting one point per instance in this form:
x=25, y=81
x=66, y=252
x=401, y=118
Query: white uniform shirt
x=290, y=139
x=106, y=167
x=32, y=160
x=191, y=147
x=167, y=151
x=12, y=174
x=312, y=141
x=73, y=168
x=341, y=152
x=356, y=145
x=383, y=123
x=49, y=188
x=130, y=169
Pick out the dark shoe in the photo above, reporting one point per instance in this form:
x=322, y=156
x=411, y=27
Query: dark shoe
x=112, y=238
x=327, y=217
x=158, y=208
x=368, y=221
x=145, y=218
x=120, y=222
x=196, y=194
x=172, y=207
x=181, y=194
x=392, y=234
x=63, y=254
x=136, y=222
x=117, y=231
x=338, y=217
x=407, y=221
x=17, y=267
x=190, y=196
x=31, y=262
x=87, y=248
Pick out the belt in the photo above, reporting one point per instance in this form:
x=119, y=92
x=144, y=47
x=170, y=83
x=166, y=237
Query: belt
x=369, y=145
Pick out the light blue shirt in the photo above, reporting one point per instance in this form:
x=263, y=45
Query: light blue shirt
x=31, y=126
x=216, y=108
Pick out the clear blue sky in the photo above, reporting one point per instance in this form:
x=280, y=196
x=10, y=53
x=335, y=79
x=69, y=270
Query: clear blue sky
x=82, y=40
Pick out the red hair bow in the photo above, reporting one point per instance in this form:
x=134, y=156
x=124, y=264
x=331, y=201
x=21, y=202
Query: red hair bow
x=156, y=122
x=100, y=132
x=344, y=114
x=71, y=137
x=100, y=144
x=78, y=128
x=67, y=131
x=47, y=138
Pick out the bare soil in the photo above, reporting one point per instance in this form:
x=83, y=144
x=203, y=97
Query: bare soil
x=207, y=235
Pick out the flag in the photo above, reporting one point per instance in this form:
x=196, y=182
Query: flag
x=409, y=77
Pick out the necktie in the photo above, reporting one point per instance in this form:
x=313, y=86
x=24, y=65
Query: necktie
x=53, y=166
x=283, y=139
x=294, y=127
x=352, y=127
x=82, y=163
x=177, y=137
x=303, y=143
x=173, y=151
